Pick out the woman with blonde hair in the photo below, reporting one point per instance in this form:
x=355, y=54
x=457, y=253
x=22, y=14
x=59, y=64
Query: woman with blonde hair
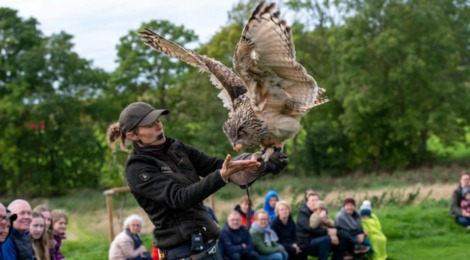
x=38, y=234
x=284, y=226
x=46, y=213
x=265, y=239
x=59, y=226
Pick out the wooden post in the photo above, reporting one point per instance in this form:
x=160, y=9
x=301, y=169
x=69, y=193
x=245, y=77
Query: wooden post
x=212, y=202
x=109, y=207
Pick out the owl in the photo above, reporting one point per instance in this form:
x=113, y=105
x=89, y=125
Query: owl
x=267, y=92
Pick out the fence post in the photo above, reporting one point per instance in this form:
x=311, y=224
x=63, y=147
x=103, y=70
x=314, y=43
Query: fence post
x=109, y=207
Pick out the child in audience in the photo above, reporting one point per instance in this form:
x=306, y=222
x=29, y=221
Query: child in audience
x=243, y=208
x=59, y=226
x=373, y=228
x=270, y=204
x=38, y=234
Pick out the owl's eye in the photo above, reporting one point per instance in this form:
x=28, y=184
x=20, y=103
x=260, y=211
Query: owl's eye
x=241, y=132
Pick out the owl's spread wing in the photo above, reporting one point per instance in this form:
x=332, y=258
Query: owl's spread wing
x=222, y=77
x=265, y=60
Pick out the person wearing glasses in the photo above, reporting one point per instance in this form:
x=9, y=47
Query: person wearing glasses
x=127, y=244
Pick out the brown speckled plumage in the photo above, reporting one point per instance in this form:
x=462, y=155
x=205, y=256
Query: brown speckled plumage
x=267, y=92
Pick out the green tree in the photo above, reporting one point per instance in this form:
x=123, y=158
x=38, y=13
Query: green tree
x=47, y=141
x=402, y=79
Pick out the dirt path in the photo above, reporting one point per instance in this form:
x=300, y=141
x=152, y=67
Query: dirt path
x=434, y=191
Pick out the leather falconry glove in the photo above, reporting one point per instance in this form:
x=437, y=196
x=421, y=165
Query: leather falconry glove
x=276, y=163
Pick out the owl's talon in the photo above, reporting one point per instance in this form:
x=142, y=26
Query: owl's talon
x=256, y=156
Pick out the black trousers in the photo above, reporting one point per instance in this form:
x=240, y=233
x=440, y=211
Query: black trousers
x=210, y=252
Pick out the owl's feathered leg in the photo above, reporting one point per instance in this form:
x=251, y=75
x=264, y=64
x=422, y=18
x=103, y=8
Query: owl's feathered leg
x=257, y=156
x=268, y=152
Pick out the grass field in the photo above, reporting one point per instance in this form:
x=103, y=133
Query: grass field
x=415, y=218
x=422, y=231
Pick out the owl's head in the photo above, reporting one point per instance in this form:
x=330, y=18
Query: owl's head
x=243, y=129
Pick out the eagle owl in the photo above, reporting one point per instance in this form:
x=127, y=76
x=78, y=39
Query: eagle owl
x=267, y=92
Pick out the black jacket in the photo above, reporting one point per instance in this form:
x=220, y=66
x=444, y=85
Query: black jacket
x=232, y=241
x=457, y=197
x=304, y=232
x=286, y=233
x=166, y=183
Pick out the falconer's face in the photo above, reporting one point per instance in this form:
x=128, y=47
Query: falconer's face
x=151, y=134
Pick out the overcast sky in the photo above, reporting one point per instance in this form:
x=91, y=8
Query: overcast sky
x=97, y=25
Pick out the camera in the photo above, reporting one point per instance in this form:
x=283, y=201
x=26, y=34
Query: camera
x=196, y=242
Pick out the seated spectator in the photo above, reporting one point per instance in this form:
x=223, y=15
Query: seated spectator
x=462, y=217
x=127, y=244
x=373, y=228
x=4, y=226
x=270, y=203
x=38, y=234
x=235, y=240
x=265, y=239
x=19, y=244
x=320, y=218
x=3, y=222
x=349, y=225
x=59, y=227
x=308, y=192
x=244, y=208
x=465, y=204
x=46, y=213
x=314, y=241
x=284, y=226
x=7, y=230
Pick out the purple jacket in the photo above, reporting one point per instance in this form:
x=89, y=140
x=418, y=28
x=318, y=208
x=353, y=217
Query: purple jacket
x=55, y=250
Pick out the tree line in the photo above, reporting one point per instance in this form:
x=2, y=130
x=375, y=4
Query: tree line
x=397, y=74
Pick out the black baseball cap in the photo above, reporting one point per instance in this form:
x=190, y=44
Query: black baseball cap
x=12, y=217
x=138, y=114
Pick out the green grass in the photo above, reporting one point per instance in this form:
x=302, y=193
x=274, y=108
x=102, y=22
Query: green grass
x=422, y=231
x=414, y=231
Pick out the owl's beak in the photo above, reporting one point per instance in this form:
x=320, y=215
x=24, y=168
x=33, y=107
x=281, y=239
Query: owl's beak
x=237, y=147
